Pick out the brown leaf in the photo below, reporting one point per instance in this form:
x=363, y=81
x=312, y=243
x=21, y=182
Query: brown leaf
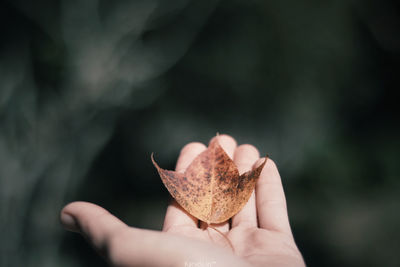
x=211, y=188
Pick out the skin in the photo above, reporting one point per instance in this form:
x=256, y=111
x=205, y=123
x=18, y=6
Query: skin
x=260, y=233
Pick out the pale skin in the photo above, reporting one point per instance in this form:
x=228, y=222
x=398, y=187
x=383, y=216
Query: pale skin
x=260, y=233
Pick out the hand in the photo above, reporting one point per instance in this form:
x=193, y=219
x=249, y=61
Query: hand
x=260, y=233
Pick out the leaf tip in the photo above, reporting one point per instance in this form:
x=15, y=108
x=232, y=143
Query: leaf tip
x=154, y=162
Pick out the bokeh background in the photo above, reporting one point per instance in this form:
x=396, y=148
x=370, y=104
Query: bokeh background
x=88, y=89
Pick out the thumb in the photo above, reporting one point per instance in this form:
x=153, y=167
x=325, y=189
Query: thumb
x=92, y=221
x=119, y=244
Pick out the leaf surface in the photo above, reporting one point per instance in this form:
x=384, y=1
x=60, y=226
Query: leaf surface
x=211, y=188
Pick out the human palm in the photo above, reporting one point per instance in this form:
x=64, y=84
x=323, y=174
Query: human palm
x=259, y=235
x=258, y=247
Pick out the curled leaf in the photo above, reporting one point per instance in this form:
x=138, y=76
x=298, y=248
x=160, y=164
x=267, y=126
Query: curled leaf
x=211, y=188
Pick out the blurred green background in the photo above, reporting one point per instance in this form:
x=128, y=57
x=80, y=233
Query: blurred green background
x=88, y=89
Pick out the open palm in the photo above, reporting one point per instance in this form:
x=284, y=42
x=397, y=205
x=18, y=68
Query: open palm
x=259, y=234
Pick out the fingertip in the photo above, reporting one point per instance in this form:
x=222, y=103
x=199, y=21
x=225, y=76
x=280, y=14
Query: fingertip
x=67, y=216
x=188, y=153
x=270, y=173
x=227, y=142
x=92, y=221
x=78, y=207
x=69, y=212
x=224, y=138
x=192, y=147
x=270, y=164
x=248, y=150
x=68, y=222
x=245, y=156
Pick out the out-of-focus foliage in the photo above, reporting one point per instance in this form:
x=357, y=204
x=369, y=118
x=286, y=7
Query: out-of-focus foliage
x=88, y=89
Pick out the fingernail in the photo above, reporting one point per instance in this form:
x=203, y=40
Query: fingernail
x=69, y=222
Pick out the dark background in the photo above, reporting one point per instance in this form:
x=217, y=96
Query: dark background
x=88, y=89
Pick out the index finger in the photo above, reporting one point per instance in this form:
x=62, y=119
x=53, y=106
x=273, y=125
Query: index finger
x=176, y=215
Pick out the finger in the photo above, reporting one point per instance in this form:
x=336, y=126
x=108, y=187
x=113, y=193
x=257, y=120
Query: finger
x=121, y=245
x=271, y=202
x=188, y=153
x=229, y=145
x=176, y=215
x=92, y=221
x=245, y=157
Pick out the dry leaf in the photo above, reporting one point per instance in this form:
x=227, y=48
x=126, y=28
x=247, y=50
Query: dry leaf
x=211, y=188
